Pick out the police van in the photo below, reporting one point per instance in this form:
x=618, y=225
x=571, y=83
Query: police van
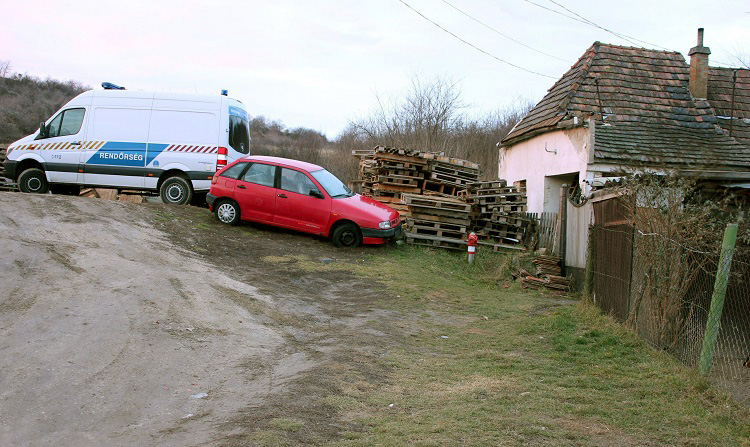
x=162, y=142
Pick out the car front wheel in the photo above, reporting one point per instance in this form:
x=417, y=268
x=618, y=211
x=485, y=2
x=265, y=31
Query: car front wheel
x=347, y=235
x=33, y=180
x=228, y=212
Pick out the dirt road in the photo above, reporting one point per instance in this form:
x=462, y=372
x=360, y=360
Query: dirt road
x=125, y=324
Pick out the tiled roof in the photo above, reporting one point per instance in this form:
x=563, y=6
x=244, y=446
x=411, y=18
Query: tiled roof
x=720, y=83
x=643, y=110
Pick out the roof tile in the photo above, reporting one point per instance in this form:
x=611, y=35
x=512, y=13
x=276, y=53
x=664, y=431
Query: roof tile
x=650, y=114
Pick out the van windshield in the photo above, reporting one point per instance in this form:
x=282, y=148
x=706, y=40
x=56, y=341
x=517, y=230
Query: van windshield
x=239, y=136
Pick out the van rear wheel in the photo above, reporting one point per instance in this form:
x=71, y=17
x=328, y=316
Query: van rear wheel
x=176, y=191
x=33, y=180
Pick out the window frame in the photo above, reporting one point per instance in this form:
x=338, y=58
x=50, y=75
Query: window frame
x=281, y=176
x=276, y=173
x=247, y=131
x=242, y=171
x=61, y=114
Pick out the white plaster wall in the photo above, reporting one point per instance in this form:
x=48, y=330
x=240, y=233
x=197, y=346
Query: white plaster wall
x=577, y=233
x=528, y=160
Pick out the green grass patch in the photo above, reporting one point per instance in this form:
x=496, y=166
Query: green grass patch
x=491, y=364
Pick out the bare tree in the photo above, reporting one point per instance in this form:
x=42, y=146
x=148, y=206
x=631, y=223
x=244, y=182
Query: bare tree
x=740, y=58
x=5, y=69
x=430, y=117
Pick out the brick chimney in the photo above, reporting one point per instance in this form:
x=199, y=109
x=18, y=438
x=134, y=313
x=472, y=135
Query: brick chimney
x=699, y=68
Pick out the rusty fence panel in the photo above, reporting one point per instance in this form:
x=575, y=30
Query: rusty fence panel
x=662, y=288
x=613, y=257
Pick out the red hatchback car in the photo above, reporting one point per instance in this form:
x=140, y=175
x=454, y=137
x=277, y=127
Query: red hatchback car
x=301, y=196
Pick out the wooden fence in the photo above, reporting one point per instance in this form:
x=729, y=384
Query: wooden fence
x=547, y=229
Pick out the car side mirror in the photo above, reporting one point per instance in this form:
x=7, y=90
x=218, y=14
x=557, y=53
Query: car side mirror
x=317, y=194
x=43, y=130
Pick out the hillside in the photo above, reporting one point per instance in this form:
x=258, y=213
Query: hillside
x=25, y=101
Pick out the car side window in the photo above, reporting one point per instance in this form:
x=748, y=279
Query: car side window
x=296, y=181
x=260, y=174
x=234, y=171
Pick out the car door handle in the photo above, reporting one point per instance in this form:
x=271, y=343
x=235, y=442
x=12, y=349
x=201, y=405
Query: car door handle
x=241, y=186
x=283, y=196
x=75, y=143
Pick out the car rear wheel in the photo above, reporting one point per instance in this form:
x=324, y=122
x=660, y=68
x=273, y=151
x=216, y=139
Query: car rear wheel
x=347, y=236
x=176, y=191
x=228, y=212
x=33, y=180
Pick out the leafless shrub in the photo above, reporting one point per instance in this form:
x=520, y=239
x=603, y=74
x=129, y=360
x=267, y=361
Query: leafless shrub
x=5, y=69
x=678, y=234
x=25, y=101
x=431, y=118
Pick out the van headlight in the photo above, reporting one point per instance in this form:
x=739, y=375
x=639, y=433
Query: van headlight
x=385, y=225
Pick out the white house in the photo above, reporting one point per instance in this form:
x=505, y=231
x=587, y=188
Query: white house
x=620, y=109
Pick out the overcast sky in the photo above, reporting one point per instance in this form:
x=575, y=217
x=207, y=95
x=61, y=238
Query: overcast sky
x=318, y=63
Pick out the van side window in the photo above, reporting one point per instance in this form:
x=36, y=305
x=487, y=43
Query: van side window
x=239, y=138
x=296, y=181
x=68, y=122
x=71, y=121
x=260, y=174
x=235, y=171
x=54, y=126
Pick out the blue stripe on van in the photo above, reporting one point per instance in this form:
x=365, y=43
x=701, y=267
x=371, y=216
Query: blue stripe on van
x=154, y=149
x=119, y=153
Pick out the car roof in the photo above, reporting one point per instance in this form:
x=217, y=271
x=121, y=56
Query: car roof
x=305, y=166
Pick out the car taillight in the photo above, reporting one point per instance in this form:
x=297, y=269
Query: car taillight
x=221, y=159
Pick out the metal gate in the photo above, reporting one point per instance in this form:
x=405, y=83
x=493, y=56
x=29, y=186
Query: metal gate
x=613, y=257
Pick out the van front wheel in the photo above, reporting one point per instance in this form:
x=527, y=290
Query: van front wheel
x=176, y=191
x=33, y=180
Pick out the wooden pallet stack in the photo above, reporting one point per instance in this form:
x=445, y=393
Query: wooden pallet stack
x=548, y=275
x=5, y=184
x=437, y=221
x=386, y=173
x=499, y=211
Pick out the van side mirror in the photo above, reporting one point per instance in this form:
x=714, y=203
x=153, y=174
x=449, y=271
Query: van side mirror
x=317, y=194
x=43, y=130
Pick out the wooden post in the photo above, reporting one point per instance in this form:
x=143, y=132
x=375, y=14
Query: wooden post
x=588, y=282
x=717, y=299
x=563, y=225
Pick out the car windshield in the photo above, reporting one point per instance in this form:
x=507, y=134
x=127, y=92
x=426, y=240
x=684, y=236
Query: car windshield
x=333, y=186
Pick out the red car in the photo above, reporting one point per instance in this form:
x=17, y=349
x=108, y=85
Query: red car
x=301, y=196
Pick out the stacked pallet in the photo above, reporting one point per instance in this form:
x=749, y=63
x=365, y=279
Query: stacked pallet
x=548, y=275
x=499, y=211
x=5, y=184
x=437, y=221
x=386, y=173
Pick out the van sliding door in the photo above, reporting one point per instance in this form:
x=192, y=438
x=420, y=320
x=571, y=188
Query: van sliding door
x=115, y=155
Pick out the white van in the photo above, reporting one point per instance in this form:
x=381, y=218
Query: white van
x=116, y=138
